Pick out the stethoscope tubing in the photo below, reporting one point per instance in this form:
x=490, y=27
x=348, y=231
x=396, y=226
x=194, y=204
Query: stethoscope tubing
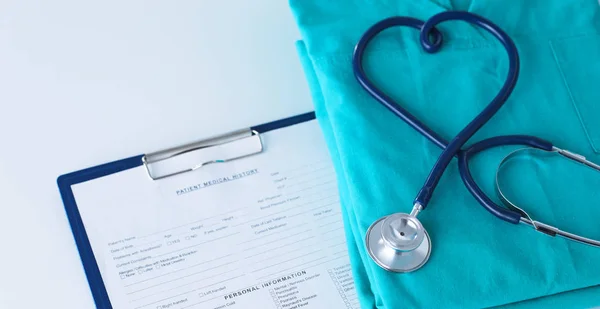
x=384, y=99
x=451, y=148
x=388, y=249
x=488, y=112
x=465, y=173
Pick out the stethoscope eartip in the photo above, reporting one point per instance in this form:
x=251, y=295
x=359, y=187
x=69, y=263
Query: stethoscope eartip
x=398, y=243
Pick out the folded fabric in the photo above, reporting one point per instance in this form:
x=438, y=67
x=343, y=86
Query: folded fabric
x=477, y=260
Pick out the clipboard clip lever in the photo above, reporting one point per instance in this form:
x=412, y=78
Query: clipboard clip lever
x=219, y=149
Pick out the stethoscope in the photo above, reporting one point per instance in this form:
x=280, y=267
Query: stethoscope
x=399, y=242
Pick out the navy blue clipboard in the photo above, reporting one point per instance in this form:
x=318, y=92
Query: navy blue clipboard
x=84, y=247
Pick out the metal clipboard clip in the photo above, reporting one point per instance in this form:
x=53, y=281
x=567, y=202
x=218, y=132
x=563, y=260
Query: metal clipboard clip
x=219, y=149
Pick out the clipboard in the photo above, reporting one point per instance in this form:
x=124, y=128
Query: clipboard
x=149, y=161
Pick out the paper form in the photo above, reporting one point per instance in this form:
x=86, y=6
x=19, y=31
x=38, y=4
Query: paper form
x=260, y=232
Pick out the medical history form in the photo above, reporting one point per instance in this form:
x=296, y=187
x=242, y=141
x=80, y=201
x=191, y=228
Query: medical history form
x=260, y=231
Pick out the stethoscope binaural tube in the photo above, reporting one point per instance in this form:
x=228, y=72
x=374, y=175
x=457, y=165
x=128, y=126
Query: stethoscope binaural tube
x=526, y=219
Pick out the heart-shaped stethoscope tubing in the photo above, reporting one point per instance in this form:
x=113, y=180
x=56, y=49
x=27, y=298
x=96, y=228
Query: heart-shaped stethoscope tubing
x=399, y=242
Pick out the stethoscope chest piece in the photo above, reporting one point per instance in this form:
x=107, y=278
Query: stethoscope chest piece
x=398, y=243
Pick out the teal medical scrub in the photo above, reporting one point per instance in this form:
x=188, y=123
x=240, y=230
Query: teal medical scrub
x=477, y=260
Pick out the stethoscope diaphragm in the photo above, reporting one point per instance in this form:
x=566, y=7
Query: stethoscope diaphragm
x=398, y=243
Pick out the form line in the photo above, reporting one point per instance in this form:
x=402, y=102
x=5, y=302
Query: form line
x=205, y=262
x=324, y=205
x=303, y=166
x=269, y=215
x=293, y=184
x=145, y=244
x=312, y=187
x=330, y=223
x=342, y=243
x=276, y=213
x=253, y=248
x=274, y=234
x=328, y=216
x=319, y=193
x=339, y=257
x=312, y=172
x=186, y=276
x=295, y=266
x=173, y=228
x=335, y=229
x=198, y=303
x=280, y=254
x=196, y=245
x=318, y=200
x=175, y=288
x=158, y=301
x=335, y=237
x=257, y=270
x=313, y=209
x=292, y=243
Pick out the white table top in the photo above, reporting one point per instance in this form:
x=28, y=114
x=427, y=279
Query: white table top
x=84, y=83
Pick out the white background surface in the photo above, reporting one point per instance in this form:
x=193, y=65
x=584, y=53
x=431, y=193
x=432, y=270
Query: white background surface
x=84, y=83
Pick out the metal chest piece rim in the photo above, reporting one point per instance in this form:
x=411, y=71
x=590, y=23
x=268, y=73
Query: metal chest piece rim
x=399, y=242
